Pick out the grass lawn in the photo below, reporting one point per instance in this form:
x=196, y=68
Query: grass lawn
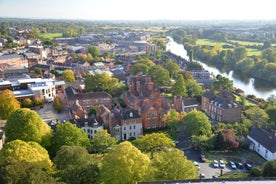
x=51, y=36
x=247, y=102
x=238, y=175
x=210, y=42
x=252, y=52
x=245, y=43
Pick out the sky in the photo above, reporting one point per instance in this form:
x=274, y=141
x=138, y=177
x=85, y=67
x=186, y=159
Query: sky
x=140, y=9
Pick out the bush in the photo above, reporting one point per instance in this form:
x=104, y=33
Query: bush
x=255, y=172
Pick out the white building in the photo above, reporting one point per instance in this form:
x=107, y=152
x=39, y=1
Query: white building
x=263, y=142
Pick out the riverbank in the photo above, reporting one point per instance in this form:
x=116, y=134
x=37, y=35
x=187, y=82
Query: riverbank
x=249, y=85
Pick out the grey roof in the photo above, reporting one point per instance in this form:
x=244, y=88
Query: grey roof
x=129, y=114
x=70, y=92
x=9, y=56
x=264, y=138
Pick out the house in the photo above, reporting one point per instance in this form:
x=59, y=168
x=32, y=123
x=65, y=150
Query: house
x=263, y=142
x=89, y=125
x=13, y=61
x=87, y=100
x=185, y=104
x=222, y=106
x=145, y=97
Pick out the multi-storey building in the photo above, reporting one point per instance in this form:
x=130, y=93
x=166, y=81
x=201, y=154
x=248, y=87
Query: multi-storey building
x=221, y=107
x=144, y=96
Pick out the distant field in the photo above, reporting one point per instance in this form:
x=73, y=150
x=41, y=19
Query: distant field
x=210, y=42
x=250, y=51
x=51, y=36
x=245, y=43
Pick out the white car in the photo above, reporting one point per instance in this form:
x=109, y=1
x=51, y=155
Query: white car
x=215, y=164
x=197, y=165
x=221, y=164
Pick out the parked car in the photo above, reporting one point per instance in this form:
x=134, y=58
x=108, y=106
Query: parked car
x=202, y=158
x=221, y=164
x=197, y=165
x=248, y=166
x=175, y=142
x=215, y=177
x=239, y=165
x=215, y=164
x=201, y=175
x=232, y=165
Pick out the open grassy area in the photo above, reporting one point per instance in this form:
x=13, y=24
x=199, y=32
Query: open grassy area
x=51, y=36
x=250, y=51
x=245, y=43
x=247, y=102
x=238, y=175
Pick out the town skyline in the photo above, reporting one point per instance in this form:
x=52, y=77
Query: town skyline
x=139, y=10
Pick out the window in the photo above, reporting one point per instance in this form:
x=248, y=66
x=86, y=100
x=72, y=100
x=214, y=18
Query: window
x=129, y=127
x=124, y=128
x=148, y=116
x=130, y=134
x=134, y=134
x=133, y=126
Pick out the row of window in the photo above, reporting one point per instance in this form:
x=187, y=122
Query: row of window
x=151, y=115
x=130, y=127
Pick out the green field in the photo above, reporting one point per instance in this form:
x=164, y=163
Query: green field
x=250, y=51
x=51, y=36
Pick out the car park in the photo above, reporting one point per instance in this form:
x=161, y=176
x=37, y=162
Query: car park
x=215, y=164
x=202, y=158
x=239, y=165
x=221, y=164
x=232, y=165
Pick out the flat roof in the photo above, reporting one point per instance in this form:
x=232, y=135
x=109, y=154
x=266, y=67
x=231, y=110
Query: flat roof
x=22, y=93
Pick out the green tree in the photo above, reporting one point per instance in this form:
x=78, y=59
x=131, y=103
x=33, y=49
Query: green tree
x=179, y=88
x=29, y=127
x=101, y=82
x=68, y=75
x=173, y=119
x=257, y=115
x=269, y=169
x=102, y=141
x=129, y=167
x=159, y=75
x=23, y=172
x=173, y=69
x=197, y=123
x=70, y=135
x=193, y=88
x=139, y=67
x=172, y=165
x=8, y=104
x=18, y=150
x=153, y=142
x=57, y=105
x=76, y=165
x=27, y=102
x=269, y=54
x=94, y=51
x=239, y=54
x=35, y=33
x=272, y=99
x=89, y=57
x=223, y=83
x=38, y=101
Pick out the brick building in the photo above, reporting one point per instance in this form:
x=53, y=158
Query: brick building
x=221, y=107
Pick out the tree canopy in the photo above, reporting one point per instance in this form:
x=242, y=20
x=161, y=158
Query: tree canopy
x=153, y=142
x=18, y=150
x=8, y=104
x=269, y=169
x=197, y=123
x=125, y=164
x=173, y=69
x=70, y=135
x=228, y=140
x=29, y=127
x=102, y=141
x=179, y=88
x=68, y=75
x=172, y=165
x=223, y=83
x=159, y=75
x=139, y=67
x=257, y=115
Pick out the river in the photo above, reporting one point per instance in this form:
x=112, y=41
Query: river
x=250, y=86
